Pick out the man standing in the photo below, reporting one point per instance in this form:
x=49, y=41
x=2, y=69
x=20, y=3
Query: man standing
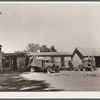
x=70, y=65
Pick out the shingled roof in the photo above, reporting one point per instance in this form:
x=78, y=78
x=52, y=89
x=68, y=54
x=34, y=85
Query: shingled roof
x=55, y=54
x=89, y=51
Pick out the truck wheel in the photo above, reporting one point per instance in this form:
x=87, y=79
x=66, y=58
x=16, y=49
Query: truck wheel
x=32, y=69
x=84, y=69
x=81, y=69
x=49, y=70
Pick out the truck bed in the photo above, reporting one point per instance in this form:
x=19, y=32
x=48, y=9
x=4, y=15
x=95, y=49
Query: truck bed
x=36, y=63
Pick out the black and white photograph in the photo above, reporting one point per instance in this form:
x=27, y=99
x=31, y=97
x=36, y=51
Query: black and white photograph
x=49, y=47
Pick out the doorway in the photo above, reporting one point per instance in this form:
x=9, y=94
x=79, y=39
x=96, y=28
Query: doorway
x=97, y=61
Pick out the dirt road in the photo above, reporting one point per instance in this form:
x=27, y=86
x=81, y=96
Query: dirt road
x=63, y=81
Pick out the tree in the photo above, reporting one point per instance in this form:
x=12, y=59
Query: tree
x=19, y=52
x=32, y=47
x=52, y=49
x=44, y=48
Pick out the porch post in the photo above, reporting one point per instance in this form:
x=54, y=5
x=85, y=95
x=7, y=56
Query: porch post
x=62, y=62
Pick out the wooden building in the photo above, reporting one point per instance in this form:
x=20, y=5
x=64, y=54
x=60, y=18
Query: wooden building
x=1, y=57
x=12, y=61
x=81, y=53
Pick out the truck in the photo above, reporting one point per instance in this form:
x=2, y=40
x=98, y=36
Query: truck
x=88, y=64
x=43, y=64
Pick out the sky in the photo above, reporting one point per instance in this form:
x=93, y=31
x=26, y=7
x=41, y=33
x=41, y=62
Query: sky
x=65, y=25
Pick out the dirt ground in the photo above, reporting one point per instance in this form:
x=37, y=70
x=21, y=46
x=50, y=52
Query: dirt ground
x=40, y=81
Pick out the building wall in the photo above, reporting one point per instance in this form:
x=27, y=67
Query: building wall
x=76, y=61
x=1, y=68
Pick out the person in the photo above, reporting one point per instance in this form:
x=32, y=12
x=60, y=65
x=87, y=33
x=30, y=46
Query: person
x=70, y=65
x=89, y=61
x=93, y=62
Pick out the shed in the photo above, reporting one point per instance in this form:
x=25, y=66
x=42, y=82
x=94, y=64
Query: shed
x=81, y=53
x=11, y=61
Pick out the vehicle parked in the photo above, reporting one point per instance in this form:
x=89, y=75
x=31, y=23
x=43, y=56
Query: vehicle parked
x=41, y=64
x=88, y=64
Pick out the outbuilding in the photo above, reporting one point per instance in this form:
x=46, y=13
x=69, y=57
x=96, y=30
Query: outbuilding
x=13, y=61
x=80, y=53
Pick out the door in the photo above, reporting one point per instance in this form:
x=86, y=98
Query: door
x=14, y=65
x=97, y=61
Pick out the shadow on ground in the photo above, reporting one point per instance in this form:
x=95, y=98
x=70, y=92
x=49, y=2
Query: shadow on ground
x=13, y=82
x=93, y=75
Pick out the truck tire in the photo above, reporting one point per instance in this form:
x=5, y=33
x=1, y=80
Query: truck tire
x=84, y=69
x=32, y=69
x=81, y=69
x=49, y=70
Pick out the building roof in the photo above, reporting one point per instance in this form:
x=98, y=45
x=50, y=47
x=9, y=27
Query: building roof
x=14, y=54
x=52, y=54
x=89, y=51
